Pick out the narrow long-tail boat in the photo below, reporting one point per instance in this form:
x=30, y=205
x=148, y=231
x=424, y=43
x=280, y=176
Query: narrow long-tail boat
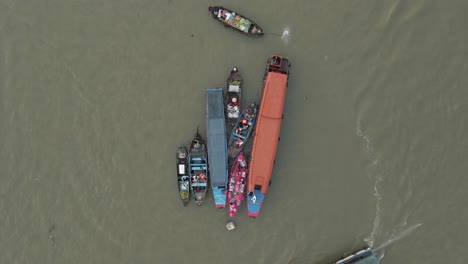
x=236, y=21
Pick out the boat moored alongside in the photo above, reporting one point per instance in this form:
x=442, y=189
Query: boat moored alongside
x=234, y=99
x=242, y=130
x=237, y=184
x=198, y=163
x=217, y=144
x=183, y=177
x=267, y=132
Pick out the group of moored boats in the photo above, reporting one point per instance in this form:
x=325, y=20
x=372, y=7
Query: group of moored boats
x=208, y=162
x=222, y=161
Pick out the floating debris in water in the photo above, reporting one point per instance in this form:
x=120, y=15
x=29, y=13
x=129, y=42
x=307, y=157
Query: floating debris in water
x=52, y=235
x=230, y=226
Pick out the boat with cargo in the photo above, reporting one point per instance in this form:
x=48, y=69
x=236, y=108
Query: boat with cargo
x=183, y=177
x=237, y=184
x=236, y=21
x=242, y=130
x=233, y=96
x=198, y=162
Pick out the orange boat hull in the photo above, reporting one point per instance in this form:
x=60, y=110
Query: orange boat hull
x=267, y=132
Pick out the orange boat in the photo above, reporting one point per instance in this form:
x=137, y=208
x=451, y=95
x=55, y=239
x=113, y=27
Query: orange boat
x=267, y=132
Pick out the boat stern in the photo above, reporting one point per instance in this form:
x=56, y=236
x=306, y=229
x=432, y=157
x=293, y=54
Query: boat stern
x=219, y=194
x=254, y=203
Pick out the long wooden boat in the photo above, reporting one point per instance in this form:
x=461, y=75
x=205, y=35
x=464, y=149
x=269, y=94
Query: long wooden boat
x=267, y=132
x=183, y=177
x=217, y=144
x=242, y=130
x=236, y=21
x=234, y=99
x=198, y=162
x=237, y=184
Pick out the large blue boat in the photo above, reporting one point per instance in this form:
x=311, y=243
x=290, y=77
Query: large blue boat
x=217, y=144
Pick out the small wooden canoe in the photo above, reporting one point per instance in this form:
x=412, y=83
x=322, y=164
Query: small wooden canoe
x=242, y=130
x=236, y=21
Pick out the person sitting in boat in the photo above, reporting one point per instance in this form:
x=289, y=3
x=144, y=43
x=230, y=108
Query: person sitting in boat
x=221, y=14
x=238, y=130
x=234, y=102
x=239, y=143
x=245, y=123
x=184, y=178
x=203, y=177
x=254, y=29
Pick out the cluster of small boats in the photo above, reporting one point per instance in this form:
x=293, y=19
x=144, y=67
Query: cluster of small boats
x=234, y=172
x=222, y=160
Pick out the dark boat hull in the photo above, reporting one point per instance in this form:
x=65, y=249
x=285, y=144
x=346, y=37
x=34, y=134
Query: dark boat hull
x=239, y=134
x=198, y=169
x=237, y=21
x=183, y=177
x=234, y=97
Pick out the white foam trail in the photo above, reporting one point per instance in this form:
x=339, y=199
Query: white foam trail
x=285, y=36
x=398, y=237
x=378, y=178
x=370, y=240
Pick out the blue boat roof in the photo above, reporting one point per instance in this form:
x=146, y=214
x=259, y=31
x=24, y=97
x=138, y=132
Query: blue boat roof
x=216, y=137
x=215, y=103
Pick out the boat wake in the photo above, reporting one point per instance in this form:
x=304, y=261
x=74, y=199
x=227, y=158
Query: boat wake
x=377, y=177
x=401, y=235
